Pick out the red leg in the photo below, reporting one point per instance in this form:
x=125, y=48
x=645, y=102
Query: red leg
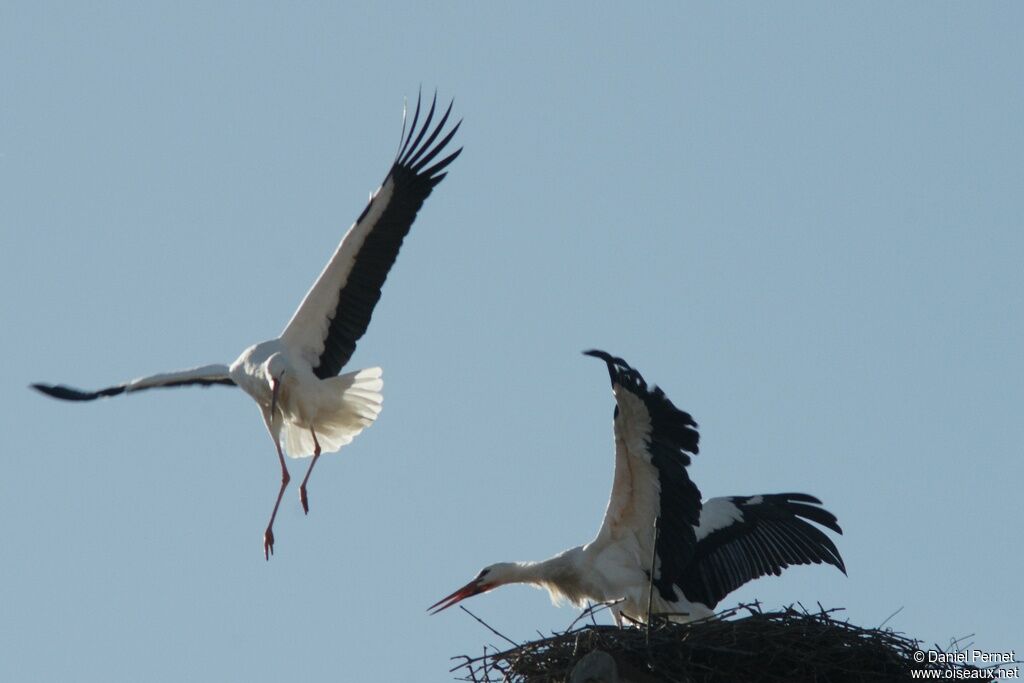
x=268, y=535
x=302, y=489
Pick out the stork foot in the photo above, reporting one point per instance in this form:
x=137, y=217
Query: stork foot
x=304, y=499
x=268, y=543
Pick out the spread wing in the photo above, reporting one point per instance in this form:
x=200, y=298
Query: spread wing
x=205, y=376
x=336, y=311
x=741, y=538
x=653, y=444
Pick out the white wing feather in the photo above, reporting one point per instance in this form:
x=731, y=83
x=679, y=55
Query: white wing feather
x=305, y=333
x=633, y=503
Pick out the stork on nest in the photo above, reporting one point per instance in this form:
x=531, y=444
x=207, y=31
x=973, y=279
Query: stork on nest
x=660, y=547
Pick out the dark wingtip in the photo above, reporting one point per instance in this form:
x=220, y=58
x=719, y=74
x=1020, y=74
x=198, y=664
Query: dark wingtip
x=616, y=366
x=48, y=389
x=62, y=392
x=68, y=394
x=808, y=508
x=420, y=145
x=607, y=358
x=800, y=498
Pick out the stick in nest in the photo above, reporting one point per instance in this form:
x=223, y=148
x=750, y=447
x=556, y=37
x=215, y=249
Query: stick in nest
x=489, y=627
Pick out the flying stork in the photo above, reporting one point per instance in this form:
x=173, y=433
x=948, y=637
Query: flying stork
x=700, y=552
x=307, y=408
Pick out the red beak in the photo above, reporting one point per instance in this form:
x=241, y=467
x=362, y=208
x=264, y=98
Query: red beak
x=474, y=587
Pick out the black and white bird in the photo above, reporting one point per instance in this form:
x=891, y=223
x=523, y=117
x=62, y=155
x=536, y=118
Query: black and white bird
x=307, y=408
x=700, y=552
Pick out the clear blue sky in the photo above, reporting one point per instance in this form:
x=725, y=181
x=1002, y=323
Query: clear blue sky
x=802, y=220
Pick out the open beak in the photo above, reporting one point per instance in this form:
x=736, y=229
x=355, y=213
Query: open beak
x=474, y=587
x=275, y=389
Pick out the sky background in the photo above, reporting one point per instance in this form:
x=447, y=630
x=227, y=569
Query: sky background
x=803, y=221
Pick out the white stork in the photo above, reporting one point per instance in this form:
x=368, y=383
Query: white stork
x=700, y=552
x=306, y=407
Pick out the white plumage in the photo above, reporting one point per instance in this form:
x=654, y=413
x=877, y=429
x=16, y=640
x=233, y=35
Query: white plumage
x=307, y=408
x=656, y=532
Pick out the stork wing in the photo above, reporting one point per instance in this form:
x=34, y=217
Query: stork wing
x=653, y=444
x=204, y=376
x=337, y=309
x=743, y=537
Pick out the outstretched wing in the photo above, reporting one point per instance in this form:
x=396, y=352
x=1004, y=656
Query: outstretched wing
x=336, y=311
x=653, y=444
x=205, y=376
x=743, y=537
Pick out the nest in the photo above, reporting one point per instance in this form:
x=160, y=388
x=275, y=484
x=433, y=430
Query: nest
x=739, y=645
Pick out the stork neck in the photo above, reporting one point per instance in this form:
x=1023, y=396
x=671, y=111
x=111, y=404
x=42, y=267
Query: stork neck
x=559, y=575
x=527, y=572
x=552, y=570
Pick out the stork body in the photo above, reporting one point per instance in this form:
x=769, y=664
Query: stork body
x=307, y=407
x=655, y=522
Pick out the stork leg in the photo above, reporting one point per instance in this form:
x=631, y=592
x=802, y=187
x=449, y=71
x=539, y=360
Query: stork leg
x=302, y=489
x=268, y=535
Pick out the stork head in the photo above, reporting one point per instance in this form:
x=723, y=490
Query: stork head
x=489, y=578
x=274, y=369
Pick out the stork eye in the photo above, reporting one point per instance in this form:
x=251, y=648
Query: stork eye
x=483, y=573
